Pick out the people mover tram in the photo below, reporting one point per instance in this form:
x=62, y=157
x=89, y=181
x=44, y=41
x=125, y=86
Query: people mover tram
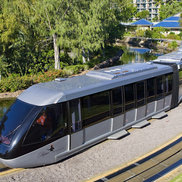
x=51, y=121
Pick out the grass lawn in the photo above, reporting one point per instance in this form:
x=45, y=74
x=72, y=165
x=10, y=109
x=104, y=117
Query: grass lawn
x=177, y=178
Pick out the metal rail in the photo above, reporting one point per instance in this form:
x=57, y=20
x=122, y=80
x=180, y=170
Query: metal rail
x=151, y=167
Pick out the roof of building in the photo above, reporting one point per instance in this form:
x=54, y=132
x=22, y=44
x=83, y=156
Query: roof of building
x=142, y=22
x=172, y=18
x=170, y=22
x=90, y=83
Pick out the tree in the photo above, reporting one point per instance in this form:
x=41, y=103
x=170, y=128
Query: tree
x=82, y=26
x=31, y=28
x=143, y=14
x=169, y=9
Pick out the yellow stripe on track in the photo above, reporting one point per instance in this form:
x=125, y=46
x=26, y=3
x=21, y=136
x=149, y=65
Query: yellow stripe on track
x=11, y=171
x=168, y=175
x=132, y=162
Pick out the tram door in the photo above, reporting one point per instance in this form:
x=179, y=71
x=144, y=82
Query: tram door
x=76, y=124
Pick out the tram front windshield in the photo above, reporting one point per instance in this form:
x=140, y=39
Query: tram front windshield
x=13, y=119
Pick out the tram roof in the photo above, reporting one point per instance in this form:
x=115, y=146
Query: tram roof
x=94, y=81
x=172, y=57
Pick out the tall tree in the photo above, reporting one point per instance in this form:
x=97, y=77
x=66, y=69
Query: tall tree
x=169, y=9
x=143, y=14
x=85, y=26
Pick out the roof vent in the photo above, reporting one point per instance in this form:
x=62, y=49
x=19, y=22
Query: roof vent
x=60, y=79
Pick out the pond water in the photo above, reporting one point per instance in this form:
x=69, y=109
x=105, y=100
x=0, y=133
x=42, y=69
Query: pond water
x=131, y=55
x=137, y=55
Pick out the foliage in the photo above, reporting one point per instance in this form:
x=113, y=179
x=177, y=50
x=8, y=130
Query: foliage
x=178, y=178
x=180, y=35
x=140, y=33
x=143, y=14
x=34, y=32
x=173, y=45
x=16, y=82
x=169, y=9
x=173, y=36
x=156, y=33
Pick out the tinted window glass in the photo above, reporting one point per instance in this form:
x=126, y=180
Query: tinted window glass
x=160, y=85
x=150, y=87
x=180, y=84
x=129, y=97
x=95, y=107
x=140, y=90
x=140, y=87
x=129, y=93
x=50, y=123
x=168, y=83
x=117, y=100
x=75, y=115
x=13, y=119
x=180, y=76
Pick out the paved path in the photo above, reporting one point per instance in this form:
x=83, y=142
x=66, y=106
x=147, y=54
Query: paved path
x=106, y=155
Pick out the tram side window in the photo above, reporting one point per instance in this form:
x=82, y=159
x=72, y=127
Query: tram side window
x=140, y=93
x=168, y=83
x=76, y=123
x=150, y=90
x=129, y=97
x=117, y=100
x=180, y=84
x=50, y=123
x=160, y=87
x=95, y=107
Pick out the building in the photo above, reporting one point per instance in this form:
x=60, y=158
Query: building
x=171, y=23
x=142, y=24
x=149, y=5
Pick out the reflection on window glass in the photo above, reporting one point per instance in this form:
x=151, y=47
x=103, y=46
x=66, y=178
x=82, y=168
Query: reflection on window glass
x=117, y=100
x=129, y=97
x=150, y=87
x=180, y=76
x=160, y=85
x=168, y=83
x=75, y=115
x=95, y=107
x=13, y=119
x=129, y=93
x=50, y=123
x=180, y=84
x=140, y=90
x=140, y=93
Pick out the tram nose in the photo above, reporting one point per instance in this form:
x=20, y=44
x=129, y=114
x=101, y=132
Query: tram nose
x=4, y=151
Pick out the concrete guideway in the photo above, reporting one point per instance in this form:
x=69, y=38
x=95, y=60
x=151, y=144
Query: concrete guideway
x=106, y=155
x=150, y=167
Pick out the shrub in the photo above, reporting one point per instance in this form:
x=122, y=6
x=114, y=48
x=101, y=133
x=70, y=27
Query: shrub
x=16, y=82
x=172, y=35
x=75, y=69
x=173, y=45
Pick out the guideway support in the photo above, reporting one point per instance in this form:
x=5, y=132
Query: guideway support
x=118, y=135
